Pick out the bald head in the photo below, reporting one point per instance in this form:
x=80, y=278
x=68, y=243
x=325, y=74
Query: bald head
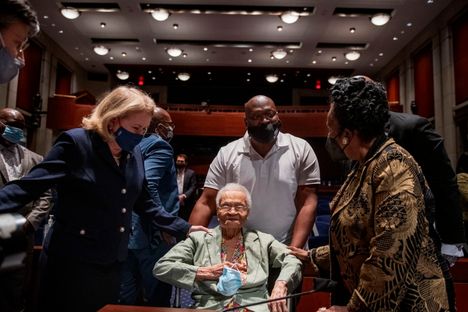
x=258, y=102
x=12, y=117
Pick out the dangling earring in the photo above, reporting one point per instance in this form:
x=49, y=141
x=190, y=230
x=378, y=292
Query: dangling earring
x=344, y=141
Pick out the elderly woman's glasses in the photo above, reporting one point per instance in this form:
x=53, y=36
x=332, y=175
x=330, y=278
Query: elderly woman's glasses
x=229, y=206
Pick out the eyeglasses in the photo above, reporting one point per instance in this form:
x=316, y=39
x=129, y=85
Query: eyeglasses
x=228, y=206
x=269, y=114
x=168, y=124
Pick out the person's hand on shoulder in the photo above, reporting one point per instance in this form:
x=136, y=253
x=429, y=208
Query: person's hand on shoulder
x=299, y=253
x=195, y=228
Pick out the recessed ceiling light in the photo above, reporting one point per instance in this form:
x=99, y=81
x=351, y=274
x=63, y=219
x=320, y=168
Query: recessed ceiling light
x=287, y=61
x=249, y=60
x=70, y=13
x=314, y=62
x=381, y=54
x=150, y=71
x=111, y=58
x=380, y=19
x=402, y=32
x=143, y=58
x=289, y=17
x=183, y=76
x=53, y=25
x=319, y=51
x=174, y=52
x=46, y=16
x=352, y=30
x=371, y=65
x=184, y=55
x=103, y=25
x=282, y=80
x=248, y=74
x=160, y=15
x=86, y=59
x=205, y=49
x=352, y=55
x=333, y=58
x=272, y=57
x=409, y=24
x=250, y=50
x=279, y=54
x=248, y=79
x=101, y=50
x=346, y=62
x=154, y=78
x=122, y=75
x=279, y=28
x=395, y=38
x=124, y=54
x=175, y=26
x=430, y=1
x=60, y=31
x=308, y=75
x=271, y=78
x=170, y=59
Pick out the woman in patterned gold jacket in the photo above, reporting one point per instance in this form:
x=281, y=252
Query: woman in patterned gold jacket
x=380, y=250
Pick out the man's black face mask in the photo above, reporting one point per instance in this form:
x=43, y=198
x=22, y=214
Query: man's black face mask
x=264, y=133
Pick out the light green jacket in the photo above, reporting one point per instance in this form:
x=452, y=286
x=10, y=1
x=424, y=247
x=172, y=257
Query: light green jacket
x=179, y=266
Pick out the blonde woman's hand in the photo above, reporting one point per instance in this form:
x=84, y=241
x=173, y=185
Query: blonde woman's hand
x=299, y=253
x=195, y=228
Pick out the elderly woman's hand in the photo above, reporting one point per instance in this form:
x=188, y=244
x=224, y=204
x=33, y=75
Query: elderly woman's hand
x=299, y=253
x=211, y=273
x=279, y=290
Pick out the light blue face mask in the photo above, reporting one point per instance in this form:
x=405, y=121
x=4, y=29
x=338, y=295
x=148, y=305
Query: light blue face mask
x=9, y=65
x=229, y=282
x=13, y=134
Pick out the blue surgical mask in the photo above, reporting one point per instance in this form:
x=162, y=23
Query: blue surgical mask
x=9, y=65
x=13, y=134
x=127, y=140
x=229, y=282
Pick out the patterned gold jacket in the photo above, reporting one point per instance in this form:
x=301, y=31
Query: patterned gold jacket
x=380, y=250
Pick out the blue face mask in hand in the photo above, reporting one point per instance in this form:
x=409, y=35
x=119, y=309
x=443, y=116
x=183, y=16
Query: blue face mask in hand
x=127, y=140
x=229, y=282
x=13, y=134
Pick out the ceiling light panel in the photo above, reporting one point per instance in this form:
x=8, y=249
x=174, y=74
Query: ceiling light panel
x=231, y=44
x=226, y=9
x=102, y=7
x=357, y=12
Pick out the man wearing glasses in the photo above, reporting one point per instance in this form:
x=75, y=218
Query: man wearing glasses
x=18, y=22
x=280, y=170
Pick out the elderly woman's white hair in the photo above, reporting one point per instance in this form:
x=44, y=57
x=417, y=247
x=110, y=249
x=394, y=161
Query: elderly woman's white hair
x=234, y=187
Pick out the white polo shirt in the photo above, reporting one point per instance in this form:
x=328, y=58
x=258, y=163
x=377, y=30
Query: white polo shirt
x=272, y=181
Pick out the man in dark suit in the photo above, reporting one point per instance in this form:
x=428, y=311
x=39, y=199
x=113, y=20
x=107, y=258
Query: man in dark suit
x=187, y=185
x=15, y=162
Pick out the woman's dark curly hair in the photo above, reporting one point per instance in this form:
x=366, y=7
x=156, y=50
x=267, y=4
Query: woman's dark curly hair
x=360, y=104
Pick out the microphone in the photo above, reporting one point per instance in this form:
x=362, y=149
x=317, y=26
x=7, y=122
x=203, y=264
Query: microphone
x=321, y=284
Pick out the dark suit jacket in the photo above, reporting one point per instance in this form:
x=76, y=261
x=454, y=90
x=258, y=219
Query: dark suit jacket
x=190, y=186
x=36, y=211
x=95, y=198
x=160, y=173
x=417, y=136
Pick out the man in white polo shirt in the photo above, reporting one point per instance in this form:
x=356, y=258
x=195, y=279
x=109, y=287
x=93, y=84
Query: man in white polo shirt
x=281, y=172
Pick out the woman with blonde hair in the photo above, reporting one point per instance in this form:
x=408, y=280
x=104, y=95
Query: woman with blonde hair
x=99, y=177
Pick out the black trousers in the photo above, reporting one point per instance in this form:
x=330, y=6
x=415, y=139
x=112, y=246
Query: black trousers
x=70, y=285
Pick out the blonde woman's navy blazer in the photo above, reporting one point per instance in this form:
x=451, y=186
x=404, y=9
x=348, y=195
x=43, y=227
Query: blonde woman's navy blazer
x=95, y=198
